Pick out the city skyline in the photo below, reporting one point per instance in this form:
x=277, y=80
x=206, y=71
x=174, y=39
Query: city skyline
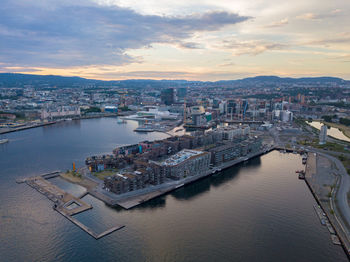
x=205, y=40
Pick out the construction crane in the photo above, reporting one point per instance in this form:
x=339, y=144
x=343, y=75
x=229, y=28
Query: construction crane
x=185, y=120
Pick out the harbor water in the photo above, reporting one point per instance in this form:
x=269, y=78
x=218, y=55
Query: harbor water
x=257, y=211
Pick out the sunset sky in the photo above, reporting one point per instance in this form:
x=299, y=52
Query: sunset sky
x=194, y=40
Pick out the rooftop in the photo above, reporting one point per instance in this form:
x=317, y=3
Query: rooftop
x=180, y=157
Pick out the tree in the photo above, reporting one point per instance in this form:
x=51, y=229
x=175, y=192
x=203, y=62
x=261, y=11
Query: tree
x=327, y=118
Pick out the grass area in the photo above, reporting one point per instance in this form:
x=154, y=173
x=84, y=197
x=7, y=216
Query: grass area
x=73, y=176
x=346, y=162
x=328, y=146
x=102, y=174
x=77, y=178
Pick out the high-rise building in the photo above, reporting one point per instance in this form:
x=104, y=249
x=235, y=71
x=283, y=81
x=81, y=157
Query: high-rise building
x=323, y=135
x=181, y=93
x=198, y=115
x=231, y=108
x=167, y=96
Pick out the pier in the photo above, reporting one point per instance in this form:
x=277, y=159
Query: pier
x=64, y=203
x=87, y=229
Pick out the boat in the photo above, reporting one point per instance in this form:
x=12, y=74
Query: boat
x=144, y=128
x=121, y=121
x=3, y=141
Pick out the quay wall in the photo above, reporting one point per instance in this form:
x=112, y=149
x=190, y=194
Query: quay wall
x=344, y=243
x=160, y=192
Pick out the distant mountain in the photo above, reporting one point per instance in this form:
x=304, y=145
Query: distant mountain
x=277, y=79
x=21, y=80
x=18, y=80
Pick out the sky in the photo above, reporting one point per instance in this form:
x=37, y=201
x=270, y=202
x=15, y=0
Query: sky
x=175, y=39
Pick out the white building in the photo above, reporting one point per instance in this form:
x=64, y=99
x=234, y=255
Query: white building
x=222, y=107
x=233, y=132
x=283, y=115
x=323, y=135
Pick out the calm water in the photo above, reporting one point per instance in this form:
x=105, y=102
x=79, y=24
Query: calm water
x=331, y=131
x=254, y=212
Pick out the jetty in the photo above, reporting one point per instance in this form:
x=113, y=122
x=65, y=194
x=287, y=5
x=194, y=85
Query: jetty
x=64, y=203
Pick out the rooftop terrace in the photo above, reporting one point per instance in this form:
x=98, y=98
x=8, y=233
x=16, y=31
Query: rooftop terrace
x=180, y=157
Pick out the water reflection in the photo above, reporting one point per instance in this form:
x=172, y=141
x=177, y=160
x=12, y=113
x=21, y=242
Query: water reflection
x=254, y=212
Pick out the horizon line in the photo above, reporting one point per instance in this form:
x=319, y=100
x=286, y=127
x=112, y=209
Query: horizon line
x=179, y=79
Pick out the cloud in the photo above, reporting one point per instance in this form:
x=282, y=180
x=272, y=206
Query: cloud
x=307, y=16
x=345, y=58
x=15, y=69
x=312, y=16
x=227, y=64
x=207, y=75
x=189, y=45
x=343, y=38
x=76, y=33
x=278, y=23
x=252, y=47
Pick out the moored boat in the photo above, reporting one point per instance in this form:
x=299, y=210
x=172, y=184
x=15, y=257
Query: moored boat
x=3, y=141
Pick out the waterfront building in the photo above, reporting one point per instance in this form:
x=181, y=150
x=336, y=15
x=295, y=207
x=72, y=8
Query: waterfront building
x=153, y=113
x=60, y=112
x=157, y=175
x=183, y=164
x=224, y=152
x=127, y=150
x=123, y=183
x=100, y=163
x=111, y=109
x=230, y=150
x=323, y=135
